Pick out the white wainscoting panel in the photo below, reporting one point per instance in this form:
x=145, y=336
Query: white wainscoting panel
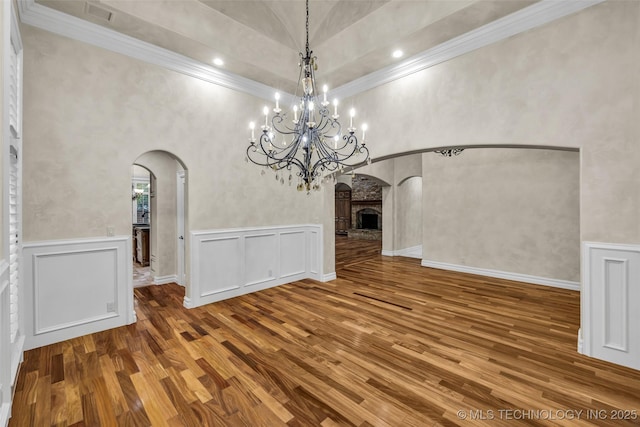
x=76, y=287
x=261, y=252
x=315, y=251
x=293, y=260
x=610, y=303
x=219, y=258
x=232, y=262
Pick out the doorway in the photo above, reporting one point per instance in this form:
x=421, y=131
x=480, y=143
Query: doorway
x=167, y=226
x=180, y=210
x=142, y=181
x=343, y=208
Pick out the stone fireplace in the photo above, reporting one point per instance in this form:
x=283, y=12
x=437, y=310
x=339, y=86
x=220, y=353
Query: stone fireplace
x=366, y=208
x=369, y=219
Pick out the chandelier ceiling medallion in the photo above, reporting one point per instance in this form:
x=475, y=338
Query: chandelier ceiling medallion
x=449, y=152
x=312, y=144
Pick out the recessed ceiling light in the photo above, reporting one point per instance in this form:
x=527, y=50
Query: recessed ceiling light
x=397, y=53
x=219, y=62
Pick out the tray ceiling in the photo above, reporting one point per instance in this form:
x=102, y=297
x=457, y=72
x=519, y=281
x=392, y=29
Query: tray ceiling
x=261, y=39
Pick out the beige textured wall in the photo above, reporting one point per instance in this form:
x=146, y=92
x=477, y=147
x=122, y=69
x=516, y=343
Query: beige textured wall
x=571, y=83
x=90, y=113
x=405, y=167
x=513, y=210
x=409, y=213
x=163, y=243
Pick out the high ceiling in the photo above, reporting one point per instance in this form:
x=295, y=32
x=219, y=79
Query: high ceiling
x=261, y=39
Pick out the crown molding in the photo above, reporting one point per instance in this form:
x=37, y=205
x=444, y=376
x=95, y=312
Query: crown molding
x=37, y=15
x=533, y=16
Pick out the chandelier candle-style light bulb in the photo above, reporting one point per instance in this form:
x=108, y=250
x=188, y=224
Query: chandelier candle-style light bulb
x=364, y=129
x=265, y=110
x=307, y=149
x=352, y=113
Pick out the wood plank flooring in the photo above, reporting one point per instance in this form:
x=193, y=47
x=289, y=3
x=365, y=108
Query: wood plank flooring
x=389, y=343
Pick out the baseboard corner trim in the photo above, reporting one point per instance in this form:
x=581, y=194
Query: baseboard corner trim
x=187, y=303
x=328, y=277
x=163, y=280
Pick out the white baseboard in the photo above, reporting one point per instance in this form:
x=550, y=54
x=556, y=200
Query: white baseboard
x=5, y=413
x=412, y=252
x=163, y=280
x=536, y=280
x=17, y=357
x=580, y=342
x=329, y=277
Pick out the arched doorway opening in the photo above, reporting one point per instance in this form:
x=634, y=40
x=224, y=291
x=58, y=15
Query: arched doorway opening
x=490, y=210
x=142, y=184
x=165, y=220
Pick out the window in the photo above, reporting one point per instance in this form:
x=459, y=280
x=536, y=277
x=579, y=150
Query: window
x=141, y=196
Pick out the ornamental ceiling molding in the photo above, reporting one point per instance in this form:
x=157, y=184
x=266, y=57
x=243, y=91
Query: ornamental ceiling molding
x=533, y=16
x=538, y=14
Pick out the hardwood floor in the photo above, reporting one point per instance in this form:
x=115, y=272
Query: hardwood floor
x=389, y=343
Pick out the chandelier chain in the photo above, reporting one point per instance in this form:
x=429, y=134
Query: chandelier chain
x=312, y=143
x=307, y=30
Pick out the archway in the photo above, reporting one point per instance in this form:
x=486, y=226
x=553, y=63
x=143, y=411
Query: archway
x=487, y=209
x=167, y=203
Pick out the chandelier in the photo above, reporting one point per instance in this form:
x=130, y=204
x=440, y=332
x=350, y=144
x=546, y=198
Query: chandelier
x=311, y=144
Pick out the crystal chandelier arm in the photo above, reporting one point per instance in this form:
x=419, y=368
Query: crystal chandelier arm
x=344, y=152
x=272, y=157
x=328, y=124
x=335, y=161
x=277, y=122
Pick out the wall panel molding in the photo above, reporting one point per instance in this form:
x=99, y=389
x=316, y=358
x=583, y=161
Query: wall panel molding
x=76, y=287
x=611, y=282
x=517, y=277
x=230, y=262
